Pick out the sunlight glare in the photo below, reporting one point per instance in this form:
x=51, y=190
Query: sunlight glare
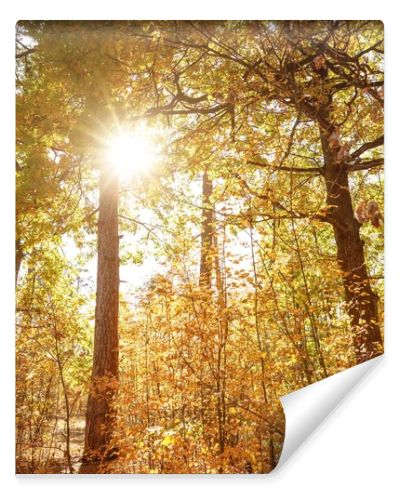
x=132, y=151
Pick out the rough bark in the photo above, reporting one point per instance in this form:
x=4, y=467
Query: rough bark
x=100, y=415
x=362, y=302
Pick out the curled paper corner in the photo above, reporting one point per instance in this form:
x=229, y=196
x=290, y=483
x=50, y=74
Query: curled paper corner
x=306, y=408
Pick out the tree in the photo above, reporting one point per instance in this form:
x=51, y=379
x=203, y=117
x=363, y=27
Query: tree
x=100, y=413
x=250, y=251
x=317, y=63
x=207, y=233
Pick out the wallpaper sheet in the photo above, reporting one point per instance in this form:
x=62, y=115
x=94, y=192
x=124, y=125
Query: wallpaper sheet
x=199, y=233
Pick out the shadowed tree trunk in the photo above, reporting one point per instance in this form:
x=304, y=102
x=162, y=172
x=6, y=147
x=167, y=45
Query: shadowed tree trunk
x=362, y=302
x=100, y=415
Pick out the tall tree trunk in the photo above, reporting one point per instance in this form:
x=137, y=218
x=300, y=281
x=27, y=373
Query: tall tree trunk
x=100, y=417
x=362, y=302
x=205, y=280
x=206, y=234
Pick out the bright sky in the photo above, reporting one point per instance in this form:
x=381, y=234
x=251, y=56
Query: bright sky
x=141, y=144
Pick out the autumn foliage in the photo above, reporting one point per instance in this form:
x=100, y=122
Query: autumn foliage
x=244, y=262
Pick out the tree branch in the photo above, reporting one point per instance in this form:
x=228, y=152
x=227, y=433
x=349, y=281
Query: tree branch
x=365, y=165
x=367, y=146
x=306, y=170
x=24, y=53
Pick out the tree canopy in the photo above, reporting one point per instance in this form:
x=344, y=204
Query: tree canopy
x=249, y=226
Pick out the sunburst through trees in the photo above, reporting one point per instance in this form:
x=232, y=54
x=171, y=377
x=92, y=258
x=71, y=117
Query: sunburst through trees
x=199, y=231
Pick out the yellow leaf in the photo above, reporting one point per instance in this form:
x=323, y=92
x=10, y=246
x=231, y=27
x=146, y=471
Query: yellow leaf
x=168, y=440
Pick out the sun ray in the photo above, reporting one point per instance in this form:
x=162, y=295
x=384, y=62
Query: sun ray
x=131, y=151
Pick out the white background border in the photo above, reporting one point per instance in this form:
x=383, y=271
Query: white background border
x=355, y=452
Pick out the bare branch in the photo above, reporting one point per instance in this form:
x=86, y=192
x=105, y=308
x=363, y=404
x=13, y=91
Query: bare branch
x=24, y=53
x=365, y=165
x=367, y=146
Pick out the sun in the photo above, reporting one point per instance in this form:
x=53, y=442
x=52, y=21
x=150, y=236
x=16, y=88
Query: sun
x=130, y=151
